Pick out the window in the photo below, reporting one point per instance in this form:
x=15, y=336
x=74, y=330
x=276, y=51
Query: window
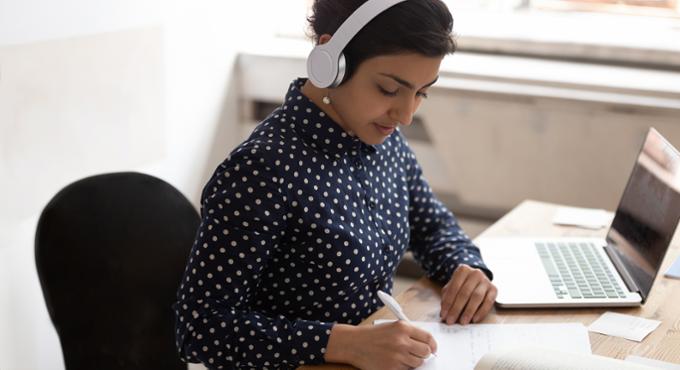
x=617, y=32
x=630, y=7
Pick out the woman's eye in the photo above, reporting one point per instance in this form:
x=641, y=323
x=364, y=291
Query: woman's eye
x=395, y=92
x=388, y=93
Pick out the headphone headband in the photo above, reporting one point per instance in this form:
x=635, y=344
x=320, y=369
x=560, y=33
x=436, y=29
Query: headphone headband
x=326, y=63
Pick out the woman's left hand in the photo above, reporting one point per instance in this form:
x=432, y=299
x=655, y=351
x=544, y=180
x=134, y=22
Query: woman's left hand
x=467, y=297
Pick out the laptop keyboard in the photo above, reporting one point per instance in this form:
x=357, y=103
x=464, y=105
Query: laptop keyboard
x=577, y=271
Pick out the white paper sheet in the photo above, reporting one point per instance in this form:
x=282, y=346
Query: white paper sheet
x=674, y=270
x=582, y=217
x=460, y=347
x=625, y=326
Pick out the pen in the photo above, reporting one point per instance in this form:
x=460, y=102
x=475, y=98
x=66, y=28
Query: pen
x=394, y=307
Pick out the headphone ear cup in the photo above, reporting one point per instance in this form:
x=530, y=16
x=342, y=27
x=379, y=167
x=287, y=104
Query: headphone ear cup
x=342, y=69
x=322, y=67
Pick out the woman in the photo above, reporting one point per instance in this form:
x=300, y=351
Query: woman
x=308, y=218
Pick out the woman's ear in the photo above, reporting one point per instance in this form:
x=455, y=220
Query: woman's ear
x=324, y=38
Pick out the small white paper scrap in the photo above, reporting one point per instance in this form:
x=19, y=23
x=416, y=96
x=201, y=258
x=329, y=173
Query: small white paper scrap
x=625, y=326
x=582, y=217
x=674, y=270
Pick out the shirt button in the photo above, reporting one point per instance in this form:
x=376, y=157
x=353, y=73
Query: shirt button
x=371, y=204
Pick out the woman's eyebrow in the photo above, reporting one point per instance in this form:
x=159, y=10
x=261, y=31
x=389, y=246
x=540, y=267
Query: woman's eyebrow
x=405, y=83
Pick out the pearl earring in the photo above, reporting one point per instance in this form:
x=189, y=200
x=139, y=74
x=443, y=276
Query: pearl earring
x=326, y=100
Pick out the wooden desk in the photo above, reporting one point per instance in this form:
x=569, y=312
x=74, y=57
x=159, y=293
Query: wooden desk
x=531, y=218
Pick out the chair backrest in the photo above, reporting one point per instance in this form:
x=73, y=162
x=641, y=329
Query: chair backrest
x=110, y=252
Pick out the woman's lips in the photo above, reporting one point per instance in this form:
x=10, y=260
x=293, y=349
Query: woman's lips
x=385, y=130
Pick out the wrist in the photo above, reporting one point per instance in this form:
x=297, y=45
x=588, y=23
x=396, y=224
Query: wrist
x=339, y=347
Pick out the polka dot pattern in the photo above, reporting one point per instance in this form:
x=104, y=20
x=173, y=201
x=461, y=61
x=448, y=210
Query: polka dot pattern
x=301, y=226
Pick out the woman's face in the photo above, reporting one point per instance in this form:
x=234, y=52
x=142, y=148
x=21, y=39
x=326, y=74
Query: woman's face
x=384, y=92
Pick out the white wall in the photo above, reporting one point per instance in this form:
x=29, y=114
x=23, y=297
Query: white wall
x=92, y=86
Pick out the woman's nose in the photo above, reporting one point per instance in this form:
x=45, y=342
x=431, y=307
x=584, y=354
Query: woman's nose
x=403, y=113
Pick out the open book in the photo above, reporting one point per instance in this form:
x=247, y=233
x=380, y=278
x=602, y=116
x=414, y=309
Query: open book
x=547, y=359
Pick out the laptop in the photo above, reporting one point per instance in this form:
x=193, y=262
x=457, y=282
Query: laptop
x=617, y=270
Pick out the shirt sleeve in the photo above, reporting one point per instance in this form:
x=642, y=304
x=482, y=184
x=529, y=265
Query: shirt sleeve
x=438, y=242
x=243, y=222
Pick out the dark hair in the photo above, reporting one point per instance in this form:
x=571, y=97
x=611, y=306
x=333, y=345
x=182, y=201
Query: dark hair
x=420, y=26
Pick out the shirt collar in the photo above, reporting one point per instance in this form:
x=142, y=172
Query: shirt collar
x=316, y=127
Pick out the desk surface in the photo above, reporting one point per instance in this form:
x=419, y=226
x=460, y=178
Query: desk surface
x=531, y=218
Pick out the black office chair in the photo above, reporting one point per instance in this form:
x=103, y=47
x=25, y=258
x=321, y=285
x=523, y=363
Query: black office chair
x=110, y=252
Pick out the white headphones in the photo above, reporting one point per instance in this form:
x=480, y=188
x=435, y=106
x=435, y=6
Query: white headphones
x=326, y=63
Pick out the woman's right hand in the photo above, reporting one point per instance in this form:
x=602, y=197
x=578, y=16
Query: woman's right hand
x=390, y=346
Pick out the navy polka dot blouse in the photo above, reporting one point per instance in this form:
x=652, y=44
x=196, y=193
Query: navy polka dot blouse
x=301, y=226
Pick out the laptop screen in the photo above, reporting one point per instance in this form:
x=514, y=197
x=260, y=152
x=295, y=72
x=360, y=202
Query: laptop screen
x=649, y=211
